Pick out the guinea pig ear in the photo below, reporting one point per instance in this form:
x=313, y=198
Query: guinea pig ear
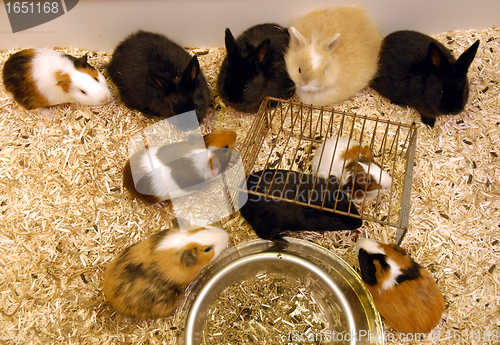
x=333, y=42
x=357, y=181
x=466, y=58
x=436, y=56
x=261, y=53
x=367, y=267
x=191, y=72
x=189, y=257
x=296, y=38
x=231, y=46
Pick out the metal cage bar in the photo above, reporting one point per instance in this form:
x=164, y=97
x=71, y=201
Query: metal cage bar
x=291, y=127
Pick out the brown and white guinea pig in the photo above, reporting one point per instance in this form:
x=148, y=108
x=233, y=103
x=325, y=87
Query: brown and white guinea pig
x=147, y=280
x=332, y=54
x=405, y=294
x=360, y=176
x=40, y=78
x=176, y=170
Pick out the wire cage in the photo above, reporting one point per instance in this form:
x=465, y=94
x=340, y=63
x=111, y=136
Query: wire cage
x=287, y=134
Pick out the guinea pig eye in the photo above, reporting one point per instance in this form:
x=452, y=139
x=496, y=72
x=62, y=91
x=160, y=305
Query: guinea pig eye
x=208, y=249
x=300, y=71
x=96, y=79
x=245, y=87
x=195, y=106
x=441, y=93
x=83, y=92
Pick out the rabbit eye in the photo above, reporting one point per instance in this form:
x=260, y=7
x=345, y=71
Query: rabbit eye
x=441, y=93
x=300, y=71
x=208, y=249
x=83, y=92
x=245, y=87
x=195, y=106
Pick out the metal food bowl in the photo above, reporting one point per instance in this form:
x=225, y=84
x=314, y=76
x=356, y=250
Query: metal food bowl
x=338, y=289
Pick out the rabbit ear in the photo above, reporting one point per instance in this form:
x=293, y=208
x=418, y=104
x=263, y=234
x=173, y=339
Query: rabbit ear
x=159, y=80
x=231, y=46
x=191, y=71
x=436, y=56
x=466, y=58
x=296, y=38
x=334, y=41
x=261, y=53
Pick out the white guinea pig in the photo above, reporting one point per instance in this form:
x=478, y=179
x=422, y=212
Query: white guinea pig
x=174, y=170
x=404, y=293
x=147, y=280
x=39, y=78
x=360, y=176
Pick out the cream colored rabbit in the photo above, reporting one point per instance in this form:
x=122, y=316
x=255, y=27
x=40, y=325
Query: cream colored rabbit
x=332, y=54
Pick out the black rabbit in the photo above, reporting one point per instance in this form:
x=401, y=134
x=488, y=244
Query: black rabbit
x=158, y=77
x=255, y=68
x=416, y=70
x=269, y=217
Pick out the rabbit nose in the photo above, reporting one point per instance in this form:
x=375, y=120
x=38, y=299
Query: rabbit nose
x=309, y=87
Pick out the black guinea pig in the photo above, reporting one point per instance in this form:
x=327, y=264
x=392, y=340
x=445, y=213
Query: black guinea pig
x=416, y=70
x=158, y=77
x=269, y=216
x=404, y=293
x=254, y=67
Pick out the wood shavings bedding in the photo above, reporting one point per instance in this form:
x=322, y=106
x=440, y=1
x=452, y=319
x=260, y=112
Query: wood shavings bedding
x=64, y=213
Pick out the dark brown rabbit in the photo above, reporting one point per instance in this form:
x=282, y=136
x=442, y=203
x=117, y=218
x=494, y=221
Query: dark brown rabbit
x=158, y=77
x=255, y=68
x=416, y=70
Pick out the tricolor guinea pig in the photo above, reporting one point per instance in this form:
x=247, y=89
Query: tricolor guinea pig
x=176, y=170
x=404, y=293
x=40, y=78
x=360, y=176
x=147, y=280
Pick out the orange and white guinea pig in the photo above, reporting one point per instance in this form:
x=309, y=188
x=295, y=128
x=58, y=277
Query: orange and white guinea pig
x=174, y=170
x=39, y=78
x=147, y=280
x=404, y=293
x=359, y=175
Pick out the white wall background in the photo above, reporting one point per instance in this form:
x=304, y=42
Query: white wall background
x=100, y=25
